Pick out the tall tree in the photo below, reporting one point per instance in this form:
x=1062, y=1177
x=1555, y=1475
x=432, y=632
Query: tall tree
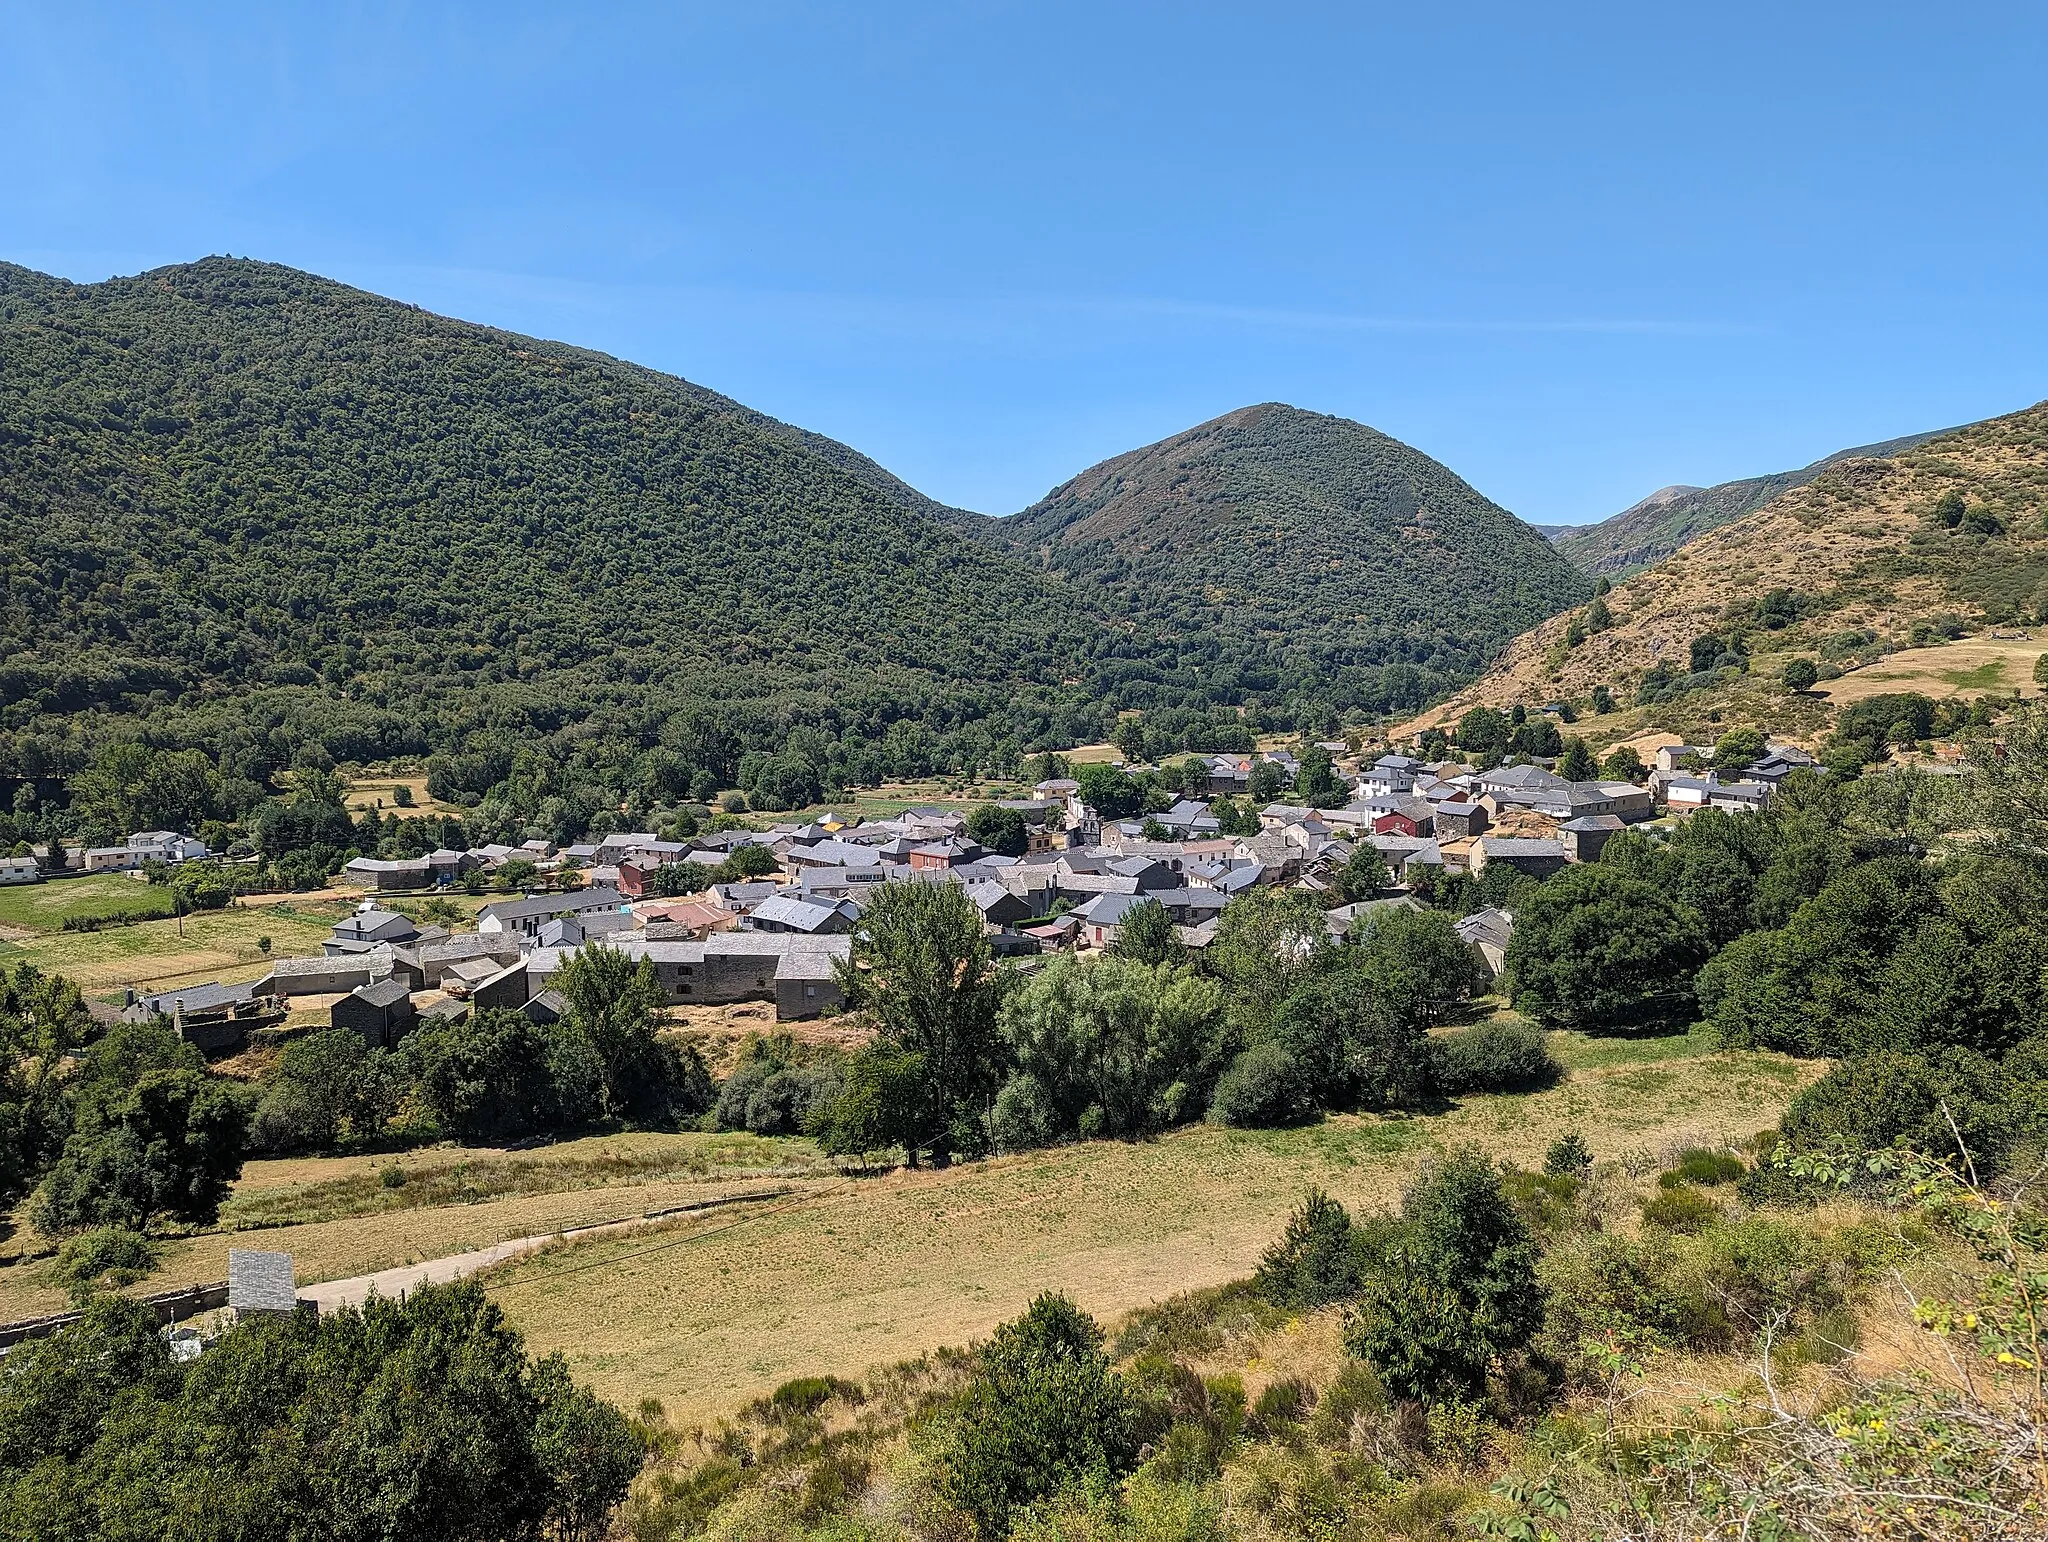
x=921, y=964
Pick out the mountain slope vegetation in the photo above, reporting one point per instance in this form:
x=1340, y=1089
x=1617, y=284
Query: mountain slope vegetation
x=1874, y=554
x=1653, y=529
x=1289, y=528
x=230, y=481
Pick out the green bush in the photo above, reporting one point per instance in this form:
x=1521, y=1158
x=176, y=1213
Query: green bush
x=1495, y=1056
x=1876, y=1101
x=1569, y=1156
x=1682, y=1209
x=1042, y=1413
x=1315, y=1261
x=1705, y=1167
x=1454, y=1290
x=105, y=1258
x=1263, y=1086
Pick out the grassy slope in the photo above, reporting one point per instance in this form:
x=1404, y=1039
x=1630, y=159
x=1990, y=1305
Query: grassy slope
x=1311, y=530
x=212, y=945
x=1855, y=544
x=46, y=906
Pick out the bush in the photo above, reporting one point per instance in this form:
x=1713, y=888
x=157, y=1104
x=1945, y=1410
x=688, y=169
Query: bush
x=1495, y=1056
x=1043, y=1412
x=1680, y=1208
x=1876, y=1101
x=769, y=1093
x=1263, y=1086
x=1024, y=1116
x=1315, y=1261
x=105, y=1258
x=1706, y=1167
x=1454, y=1290
x=1569, y=1156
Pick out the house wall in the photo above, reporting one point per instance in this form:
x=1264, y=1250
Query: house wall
x=796, y=999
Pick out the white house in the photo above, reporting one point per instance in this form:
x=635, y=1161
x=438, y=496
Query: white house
x=19, y=870
x=143, y=847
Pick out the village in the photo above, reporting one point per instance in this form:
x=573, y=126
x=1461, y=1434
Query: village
x=781, y=935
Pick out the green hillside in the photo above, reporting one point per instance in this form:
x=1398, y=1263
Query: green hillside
x=238, y=496
x=1310, y=533
x=1653, y=529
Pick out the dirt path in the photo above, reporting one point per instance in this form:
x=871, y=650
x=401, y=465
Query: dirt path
x=330, y=1295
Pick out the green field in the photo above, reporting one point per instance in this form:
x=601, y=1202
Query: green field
x=46, y=906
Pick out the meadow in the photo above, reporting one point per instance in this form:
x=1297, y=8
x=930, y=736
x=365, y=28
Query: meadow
x=148, y=956
x=1973, y=666
x=870, y=1270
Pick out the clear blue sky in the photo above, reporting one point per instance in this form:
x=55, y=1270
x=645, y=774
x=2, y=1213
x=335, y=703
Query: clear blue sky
x=1575, y=252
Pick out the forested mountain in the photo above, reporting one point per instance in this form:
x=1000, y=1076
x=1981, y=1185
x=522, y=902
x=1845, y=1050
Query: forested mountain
x=270, y=501
x=1656, y=527
x=259, y=513
x=1874, y=553
x=1313, y=533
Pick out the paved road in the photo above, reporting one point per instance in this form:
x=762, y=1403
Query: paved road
x=391, y=1283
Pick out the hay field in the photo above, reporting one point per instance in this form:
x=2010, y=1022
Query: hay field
x=1973, y=666
x=873, y=1270
x=156, y=955
x=336, y=1219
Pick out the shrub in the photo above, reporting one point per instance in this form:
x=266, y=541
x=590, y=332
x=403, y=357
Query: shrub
x=1263, y=1086
x=105, y=1258
x=1569, y=1156
x=1042, y=1412
x=1495, y=1056
x=1454, y=1291
x=1881, y=1100
x=1682, y=1209
x=1315, y=1261
x=1706, y=1167
x=1024, y=1115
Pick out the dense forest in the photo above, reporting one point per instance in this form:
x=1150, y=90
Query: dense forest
x=1311, y=533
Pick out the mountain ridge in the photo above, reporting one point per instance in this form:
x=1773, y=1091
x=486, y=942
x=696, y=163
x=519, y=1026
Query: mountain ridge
x=1652, y=528
x=1841, y=569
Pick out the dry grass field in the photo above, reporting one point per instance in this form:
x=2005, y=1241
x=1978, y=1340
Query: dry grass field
x=872, y=1270
x=707, y=1312
x=336, y=1218
x=373, y=789
x=1974, y=666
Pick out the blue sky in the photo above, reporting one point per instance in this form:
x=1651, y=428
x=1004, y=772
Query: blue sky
x=1574, y=252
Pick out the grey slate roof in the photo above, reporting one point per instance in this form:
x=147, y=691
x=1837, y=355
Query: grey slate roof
x=260, y=1281
x=555, y=904
x=195, y=998
x=387, y=992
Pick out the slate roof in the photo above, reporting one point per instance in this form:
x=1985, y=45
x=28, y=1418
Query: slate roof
x=195, y=998
x=387, y=992
x=555, y=904
x=261, y=1281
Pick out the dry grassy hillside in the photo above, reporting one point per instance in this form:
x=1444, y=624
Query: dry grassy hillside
x=1862, y=548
